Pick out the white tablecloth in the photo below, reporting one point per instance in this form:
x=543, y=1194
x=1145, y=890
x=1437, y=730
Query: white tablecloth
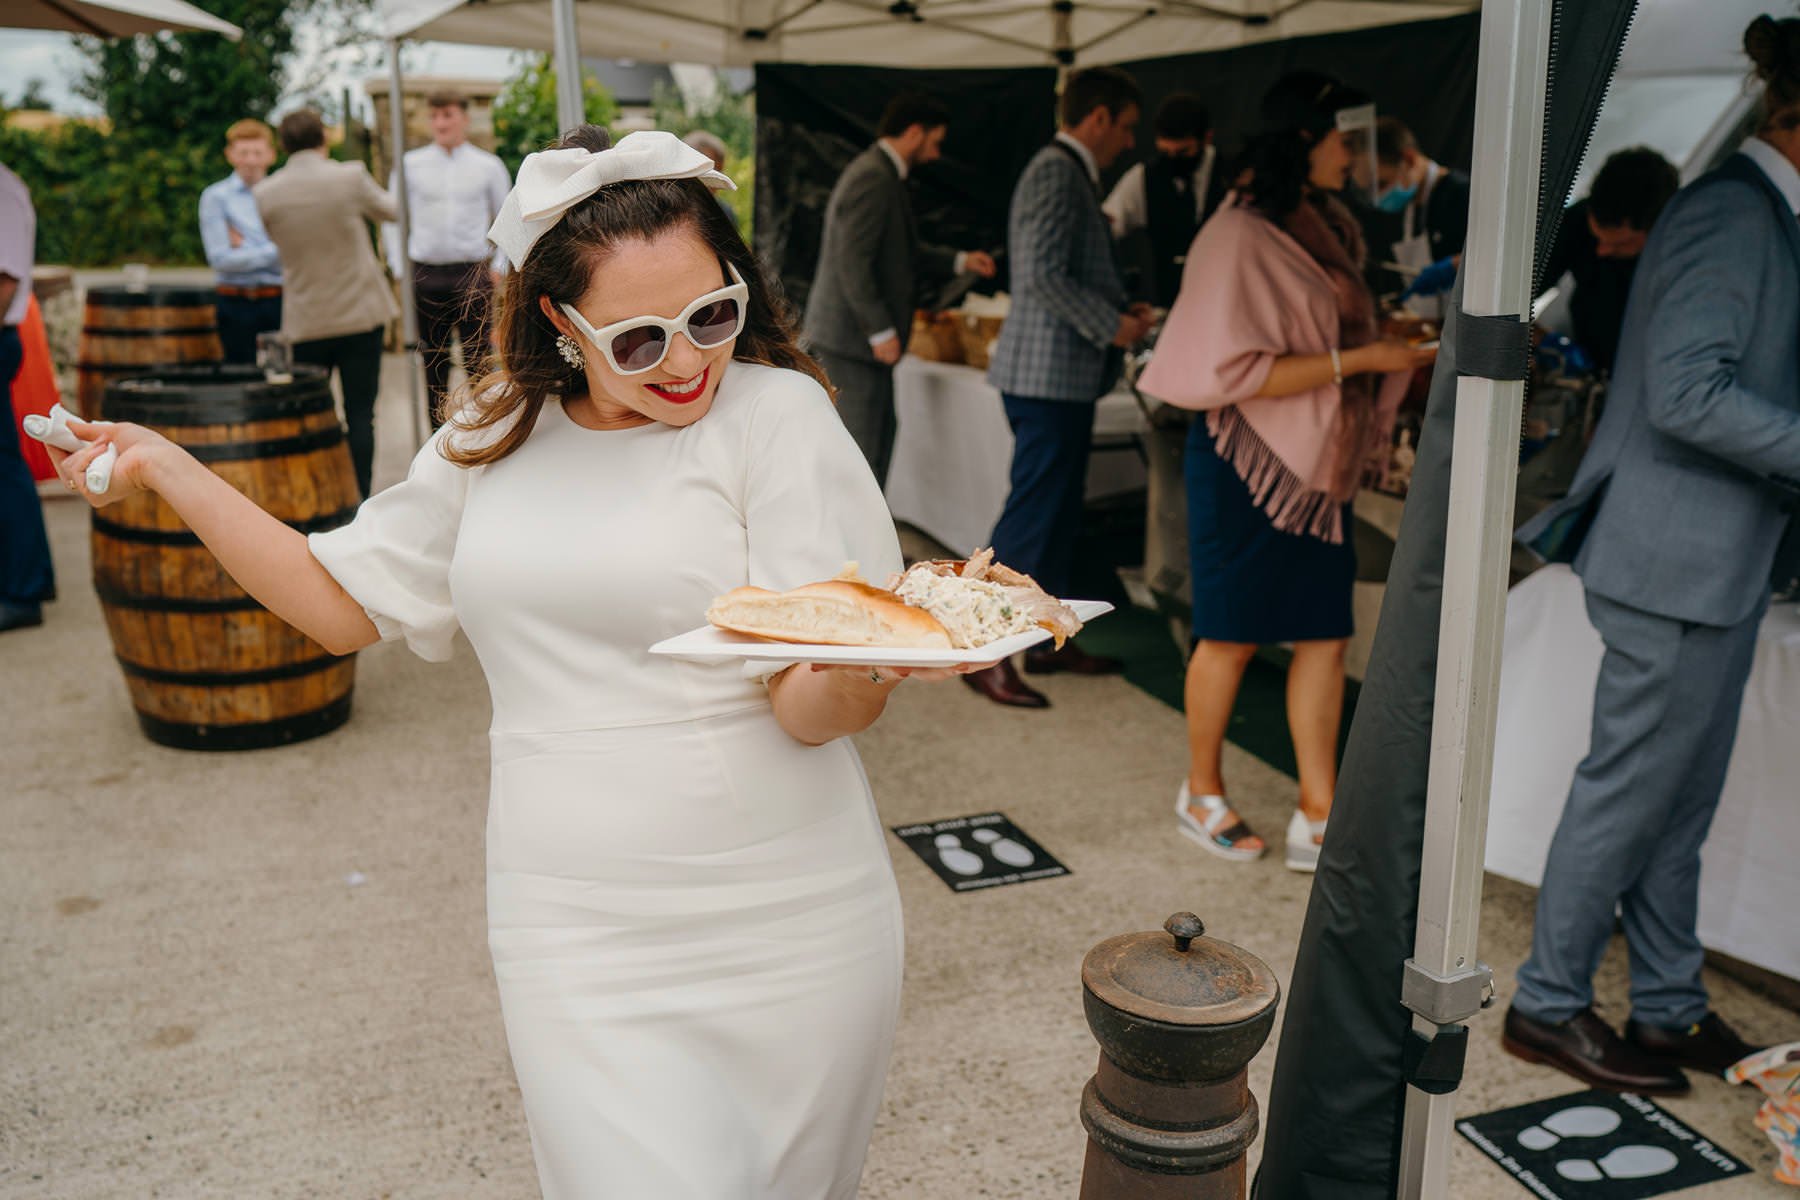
x=1750, y=875
x=954, y=448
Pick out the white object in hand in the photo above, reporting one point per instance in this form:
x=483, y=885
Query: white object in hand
x=53, y=430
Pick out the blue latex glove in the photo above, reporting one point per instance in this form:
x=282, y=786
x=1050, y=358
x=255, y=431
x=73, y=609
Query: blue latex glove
x=1439, y=277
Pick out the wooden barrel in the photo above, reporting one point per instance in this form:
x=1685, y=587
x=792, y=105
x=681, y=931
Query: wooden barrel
x=207, y=667
x=126, y=333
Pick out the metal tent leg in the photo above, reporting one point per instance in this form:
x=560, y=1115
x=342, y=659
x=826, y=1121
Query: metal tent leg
x=1445, y=984
x=409, y=312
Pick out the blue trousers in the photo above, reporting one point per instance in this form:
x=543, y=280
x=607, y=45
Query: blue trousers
x=1037, y=528
x=26, y=577
x=1665, y=717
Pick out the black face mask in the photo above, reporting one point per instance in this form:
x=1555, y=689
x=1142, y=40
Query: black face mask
x=1181, y=165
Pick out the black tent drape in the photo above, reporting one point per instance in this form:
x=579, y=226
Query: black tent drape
x=811, y=121
x=1338, y=1097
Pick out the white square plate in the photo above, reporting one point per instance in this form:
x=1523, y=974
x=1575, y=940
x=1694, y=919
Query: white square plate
x=709, y=643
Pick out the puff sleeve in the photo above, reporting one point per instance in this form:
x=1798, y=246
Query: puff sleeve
x=394, y=558
x=811, y=504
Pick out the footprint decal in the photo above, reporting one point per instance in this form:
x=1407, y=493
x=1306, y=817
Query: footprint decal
x=1004, y=849
x=1627, y=1162
x=1586, y=1121
x=955, y=857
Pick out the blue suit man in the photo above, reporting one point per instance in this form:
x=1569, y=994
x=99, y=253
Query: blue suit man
x=1674, y=521
x=1057, y=352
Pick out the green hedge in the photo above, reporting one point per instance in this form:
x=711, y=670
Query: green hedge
x=103, y=200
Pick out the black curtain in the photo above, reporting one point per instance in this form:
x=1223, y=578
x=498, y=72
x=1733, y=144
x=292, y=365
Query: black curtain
x=812, y=120
x=1337, y=1101
x=1422, y=72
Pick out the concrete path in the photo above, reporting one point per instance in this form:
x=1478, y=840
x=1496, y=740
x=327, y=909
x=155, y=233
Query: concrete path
x=265, y=974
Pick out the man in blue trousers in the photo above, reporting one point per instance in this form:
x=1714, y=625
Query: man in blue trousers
x=26, y=580
x=1059, y=352
x=1674, y=520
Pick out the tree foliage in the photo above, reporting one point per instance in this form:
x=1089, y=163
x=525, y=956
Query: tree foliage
x=525, y=110
x=132, y=192
x=728, y=116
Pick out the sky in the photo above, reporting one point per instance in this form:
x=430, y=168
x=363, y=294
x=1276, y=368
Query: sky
x=27, y=54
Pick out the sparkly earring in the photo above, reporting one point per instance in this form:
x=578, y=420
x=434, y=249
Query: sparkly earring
x=570, y=350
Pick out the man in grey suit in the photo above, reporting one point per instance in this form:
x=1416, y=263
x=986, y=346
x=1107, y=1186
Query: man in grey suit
x=1674, y=521
x=1059, y=351
x=859, y=312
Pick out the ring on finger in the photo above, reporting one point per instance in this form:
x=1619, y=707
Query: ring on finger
x=875, y=675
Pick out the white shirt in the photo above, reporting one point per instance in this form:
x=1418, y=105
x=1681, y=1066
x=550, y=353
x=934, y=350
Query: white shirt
x=894, y=156
x=1777, y=166
x=18, y=242
x=451, y=198
x=1128, y=208
x=1083, y=153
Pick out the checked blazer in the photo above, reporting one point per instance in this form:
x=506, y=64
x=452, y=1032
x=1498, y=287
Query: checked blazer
x=1066, y=292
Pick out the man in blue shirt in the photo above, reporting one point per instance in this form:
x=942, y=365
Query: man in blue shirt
x=238, y=248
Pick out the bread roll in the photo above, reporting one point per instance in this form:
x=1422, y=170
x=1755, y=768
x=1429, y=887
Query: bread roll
x=836, y=612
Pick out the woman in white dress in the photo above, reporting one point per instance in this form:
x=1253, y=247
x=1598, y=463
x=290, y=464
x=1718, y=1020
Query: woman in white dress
x=692, y=915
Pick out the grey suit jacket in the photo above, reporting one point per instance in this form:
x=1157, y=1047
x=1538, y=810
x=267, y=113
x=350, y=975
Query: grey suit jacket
x=1066, y=291
x=317, y=212
x=865, y=279
x=1682, y=499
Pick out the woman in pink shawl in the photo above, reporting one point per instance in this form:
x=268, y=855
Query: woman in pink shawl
x=1274, y=338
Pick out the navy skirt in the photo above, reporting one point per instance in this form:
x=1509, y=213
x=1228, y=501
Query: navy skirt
x=1252, y=582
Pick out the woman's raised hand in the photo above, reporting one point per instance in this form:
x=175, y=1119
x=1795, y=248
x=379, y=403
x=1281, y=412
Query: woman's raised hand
x=130, y=474
x=1388, y=354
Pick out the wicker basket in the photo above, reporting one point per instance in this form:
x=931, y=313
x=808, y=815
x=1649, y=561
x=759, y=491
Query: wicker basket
x=978, y=337
x=935, y=337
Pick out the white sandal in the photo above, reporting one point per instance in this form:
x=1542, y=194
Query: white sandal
x=1207, y=831
x=1304, y=839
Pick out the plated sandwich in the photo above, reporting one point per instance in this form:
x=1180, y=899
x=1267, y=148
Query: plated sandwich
x=939, y=604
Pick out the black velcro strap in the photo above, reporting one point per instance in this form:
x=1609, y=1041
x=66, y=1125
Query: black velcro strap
x=1492, y=347
x=1435, y=1067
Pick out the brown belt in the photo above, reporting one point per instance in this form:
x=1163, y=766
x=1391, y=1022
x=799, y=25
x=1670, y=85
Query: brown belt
x=249, y=293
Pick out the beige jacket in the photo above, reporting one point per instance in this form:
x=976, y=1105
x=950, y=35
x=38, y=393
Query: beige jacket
x=317, y=213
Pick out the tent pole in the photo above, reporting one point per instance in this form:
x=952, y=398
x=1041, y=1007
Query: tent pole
x=570, y=111
x=1444, y=983
x=409, y=313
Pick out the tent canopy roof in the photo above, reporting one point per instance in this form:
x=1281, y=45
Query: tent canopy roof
x=112, y=18
x=935, y=33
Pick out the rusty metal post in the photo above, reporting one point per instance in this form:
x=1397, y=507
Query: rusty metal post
x=1169, y=1113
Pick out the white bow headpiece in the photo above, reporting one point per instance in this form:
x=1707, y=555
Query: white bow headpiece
x=551, y=182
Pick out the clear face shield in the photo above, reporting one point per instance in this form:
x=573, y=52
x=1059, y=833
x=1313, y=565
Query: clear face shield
x=1357, y=124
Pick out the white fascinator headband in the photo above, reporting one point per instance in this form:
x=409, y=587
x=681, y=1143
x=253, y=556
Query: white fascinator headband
x=551, y=182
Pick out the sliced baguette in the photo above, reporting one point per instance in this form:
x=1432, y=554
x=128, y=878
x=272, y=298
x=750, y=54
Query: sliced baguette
x=835, y=612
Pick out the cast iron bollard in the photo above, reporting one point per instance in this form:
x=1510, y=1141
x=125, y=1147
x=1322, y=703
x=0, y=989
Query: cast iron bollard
x=1169, y=1113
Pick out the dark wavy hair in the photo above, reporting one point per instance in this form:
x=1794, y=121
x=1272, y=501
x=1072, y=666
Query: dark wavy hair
x=528, y=369
x=1774, y=46
x=1278, y=165
x=1297, y=110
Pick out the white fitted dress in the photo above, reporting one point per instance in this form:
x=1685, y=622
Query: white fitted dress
x=693, y=917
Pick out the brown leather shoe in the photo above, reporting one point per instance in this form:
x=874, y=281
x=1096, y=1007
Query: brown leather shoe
x=1001, y=684
x=1586, y=1047
x=1041, y=660
x=1708, y=1045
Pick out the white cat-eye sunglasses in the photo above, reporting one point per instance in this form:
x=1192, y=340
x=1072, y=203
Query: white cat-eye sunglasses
x=639, y=344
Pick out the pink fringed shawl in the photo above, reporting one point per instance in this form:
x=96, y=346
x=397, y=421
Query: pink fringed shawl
x=1251, y=292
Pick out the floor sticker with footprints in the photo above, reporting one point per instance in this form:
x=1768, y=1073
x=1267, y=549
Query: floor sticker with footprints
x=975, y=853
x=1598, y=1146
